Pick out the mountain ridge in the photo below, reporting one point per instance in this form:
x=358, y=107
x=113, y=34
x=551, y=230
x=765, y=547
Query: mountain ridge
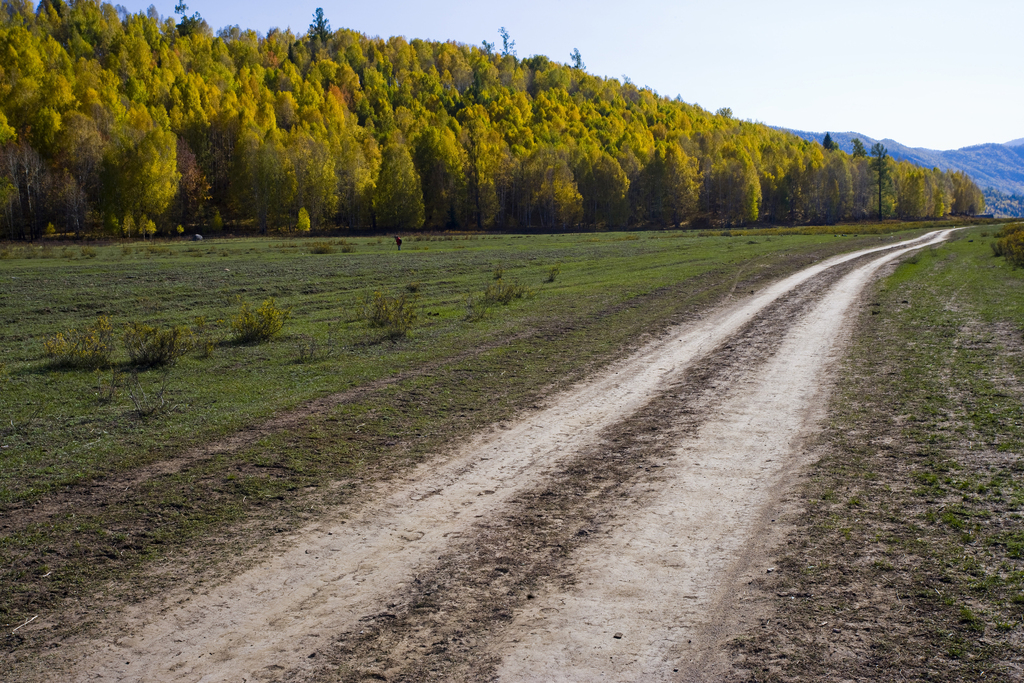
x=997, y=168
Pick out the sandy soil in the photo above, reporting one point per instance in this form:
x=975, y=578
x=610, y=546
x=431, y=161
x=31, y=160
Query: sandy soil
x=610, y=533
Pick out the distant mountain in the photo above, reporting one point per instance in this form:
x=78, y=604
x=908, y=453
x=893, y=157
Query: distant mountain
x=997, y=169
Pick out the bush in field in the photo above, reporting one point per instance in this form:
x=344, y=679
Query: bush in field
x=1010, y=243
x=260, y=324
x=501, y=292
x=1013, y=248
x=321, y=248
x=554, y=271
x=149, y=346
x=90, y=347
x=396, y=315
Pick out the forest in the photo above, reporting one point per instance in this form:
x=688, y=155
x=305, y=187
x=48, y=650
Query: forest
x=1003, y=204
x=134, y=125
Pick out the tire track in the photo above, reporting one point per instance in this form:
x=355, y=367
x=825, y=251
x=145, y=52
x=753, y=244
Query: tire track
x=452, y=622
x=659, y=595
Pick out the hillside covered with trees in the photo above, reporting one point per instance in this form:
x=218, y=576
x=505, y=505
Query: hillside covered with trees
x=127, y=124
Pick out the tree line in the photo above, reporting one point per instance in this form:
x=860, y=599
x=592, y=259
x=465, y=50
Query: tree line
x=136, y=124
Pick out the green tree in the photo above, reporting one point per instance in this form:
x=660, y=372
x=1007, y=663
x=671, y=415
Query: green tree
x=398, y=202
x=265, y=181
x=188, y=24
x=829, y=144
x=879, y=165
x=508, y=46
x=858, y=149
x=681, y=185
x=316, y=180
x=440, y=162
x=484, y=148
x=140, y=172
x=604, y=188
x=320, y=28
x=577, y=59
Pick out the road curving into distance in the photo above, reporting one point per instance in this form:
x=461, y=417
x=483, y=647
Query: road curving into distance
x=651, y=532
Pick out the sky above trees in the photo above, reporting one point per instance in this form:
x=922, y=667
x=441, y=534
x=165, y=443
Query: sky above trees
x=939, y=74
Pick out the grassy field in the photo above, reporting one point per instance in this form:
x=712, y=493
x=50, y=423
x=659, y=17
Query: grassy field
x=66, y=434
x=908, y=563
x=84, y=493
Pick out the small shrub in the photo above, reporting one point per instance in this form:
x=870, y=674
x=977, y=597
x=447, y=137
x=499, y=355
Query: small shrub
x=303, y=224
x=90, y=347
x=105, y=393
x=260, y=324
x=347, y=247
x=321, y=248
x=6, y=253
x=396, y=315
x=151, y=403
x=88, y=252
x=501, y=292
x=553, y=272
x=1010, y=229
x=499, y=273
x=310, y=348
x=413, y=287
x=475, y=310
x=203, y=336
x=150, y=346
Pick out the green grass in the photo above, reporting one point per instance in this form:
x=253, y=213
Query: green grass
x=64, y=433
x=452, y=373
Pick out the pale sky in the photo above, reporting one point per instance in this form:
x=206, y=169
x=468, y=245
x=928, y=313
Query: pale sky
x=941, y=74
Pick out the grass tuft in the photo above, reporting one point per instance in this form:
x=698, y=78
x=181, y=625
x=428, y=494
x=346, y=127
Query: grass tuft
x=396, y=315
x=501, y=292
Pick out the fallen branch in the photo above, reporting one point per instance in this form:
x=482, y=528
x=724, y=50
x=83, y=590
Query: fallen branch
x=25, y=624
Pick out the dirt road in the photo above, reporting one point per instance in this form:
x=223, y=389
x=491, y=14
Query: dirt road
x=609, y=533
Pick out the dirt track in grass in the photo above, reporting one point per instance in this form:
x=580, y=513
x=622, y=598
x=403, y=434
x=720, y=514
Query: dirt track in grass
x=610, y=532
